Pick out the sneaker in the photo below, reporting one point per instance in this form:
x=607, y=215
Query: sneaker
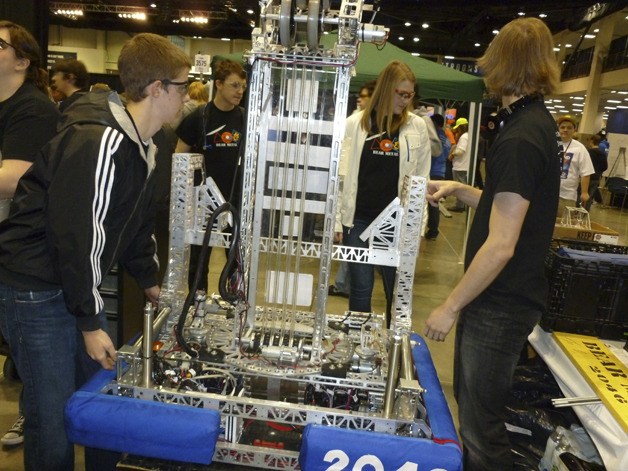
x=455, y=209
x=333, y=291
x=15, y=435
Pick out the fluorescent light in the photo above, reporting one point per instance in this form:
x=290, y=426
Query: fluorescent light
x=578, y=98
x=225, y=39
x=542, y=15
x=415, y=54
x=556, y=49
x=425, y=26
x=250, y=12
x=610, y=107
x=415, y=39
x=407, y=23
x=568, y=45
x=521, y=13
x=477, y=44
x=557, y=100
x=495, y=31
x=450, y=57
x=401, y=38
x=578, y=104
x=589, y=36
x=613, y=101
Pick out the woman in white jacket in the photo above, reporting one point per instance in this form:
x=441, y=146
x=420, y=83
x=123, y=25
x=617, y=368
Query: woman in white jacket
x=382, y=144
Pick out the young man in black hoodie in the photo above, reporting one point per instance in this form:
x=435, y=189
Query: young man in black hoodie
x=83, y=206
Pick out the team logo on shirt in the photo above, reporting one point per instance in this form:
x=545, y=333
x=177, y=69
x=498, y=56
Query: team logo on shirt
x=567, y=157
x=385, y=146
x=227, y=138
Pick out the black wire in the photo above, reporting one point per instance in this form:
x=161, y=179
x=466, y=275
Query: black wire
x=198, y=275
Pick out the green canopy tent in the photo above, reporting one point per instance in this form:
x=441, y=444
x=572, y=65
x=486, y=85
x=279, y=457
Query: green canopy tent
x=434, y=80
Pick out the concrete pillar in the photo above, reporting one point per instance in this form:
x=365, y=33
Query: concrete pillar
x=590, y=123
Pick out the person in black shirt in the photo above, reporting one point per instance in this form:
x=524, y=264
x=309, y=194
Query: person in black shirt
x=70, y=77
x=28, y=120
x=383, y=143
x=503, y=291
x=217, y=131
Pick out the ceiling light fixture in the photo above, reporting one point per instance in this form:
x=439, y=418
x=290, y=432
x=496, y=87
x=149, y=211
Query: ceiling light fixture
x=450, y=57
x=401, y=38
x=589, y=36
x=407, y=23
x=613, y=101
x=153, y=5
x=477, y=44
x=542, y=15
x=133, y=16
x=495, y=31
x=425, y=26
x=194, y=19
x=72, y=14
x=521, y=13
x=415, y=39
x=250, y=12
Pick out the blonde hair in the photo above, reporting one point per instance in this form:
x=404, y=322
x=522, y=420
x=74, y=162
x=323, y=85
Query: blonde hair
x=521, y=60
x=198, y=92
x=383, y=99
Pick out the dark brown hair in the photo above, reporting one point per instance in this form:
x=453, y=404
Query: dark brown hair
x=26, y=47
x=72, y=69
x=226, y=67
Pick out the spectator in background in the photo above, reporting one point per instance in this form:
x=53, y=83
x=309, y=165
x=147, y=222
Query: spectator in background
x=460, y=156
x=55, y=95
x=198, y=97
x=28, y=120
x=382, y=144
x=70, y=77
x=576, y=166
x=437, y=172
x=102, y=87
x=435, y=144
x=503, y=292
x=600, y=164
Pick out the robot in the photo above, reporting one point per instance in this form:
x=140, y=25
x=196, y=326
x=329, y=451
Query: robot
x=264, y=354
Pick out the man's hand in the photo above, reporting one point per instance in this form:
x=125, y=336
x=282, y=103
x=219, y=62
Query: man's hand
x=437, y=189
x=337, y=237
x=439, y=323
x=584, y=197
x=152, y=294
x=100, y=348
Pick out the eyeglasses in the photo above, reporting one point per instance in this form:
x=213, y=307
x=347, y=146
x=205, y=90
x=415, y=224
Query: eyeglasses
x=237, y=85
x=404, y=95
x=5, y=45
x=182, y=87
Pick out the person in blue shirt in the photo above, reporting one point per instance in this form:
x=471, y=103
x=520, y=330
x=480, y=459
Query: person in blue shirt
x=437, y=172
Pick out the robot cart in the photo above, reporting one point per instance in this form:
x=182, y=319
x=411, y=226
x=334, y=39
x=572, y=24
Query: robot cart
x=261, y=374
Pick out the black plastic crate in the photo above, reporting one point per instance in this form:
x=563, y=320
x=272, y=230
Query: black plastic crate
x=586, y=296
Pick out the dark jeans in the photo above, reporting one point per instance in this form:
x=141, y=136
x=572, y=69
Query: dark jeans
x=433, y=215
x=50, y=357
x=488, y=346
x=363, y=275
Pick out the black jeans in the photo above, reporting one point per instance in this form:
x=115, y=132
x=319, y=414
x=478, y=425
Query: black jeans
x=488, y=346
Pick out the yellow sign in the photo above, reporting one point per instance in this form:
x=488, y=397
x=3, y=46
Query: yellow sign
x=603, y=371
